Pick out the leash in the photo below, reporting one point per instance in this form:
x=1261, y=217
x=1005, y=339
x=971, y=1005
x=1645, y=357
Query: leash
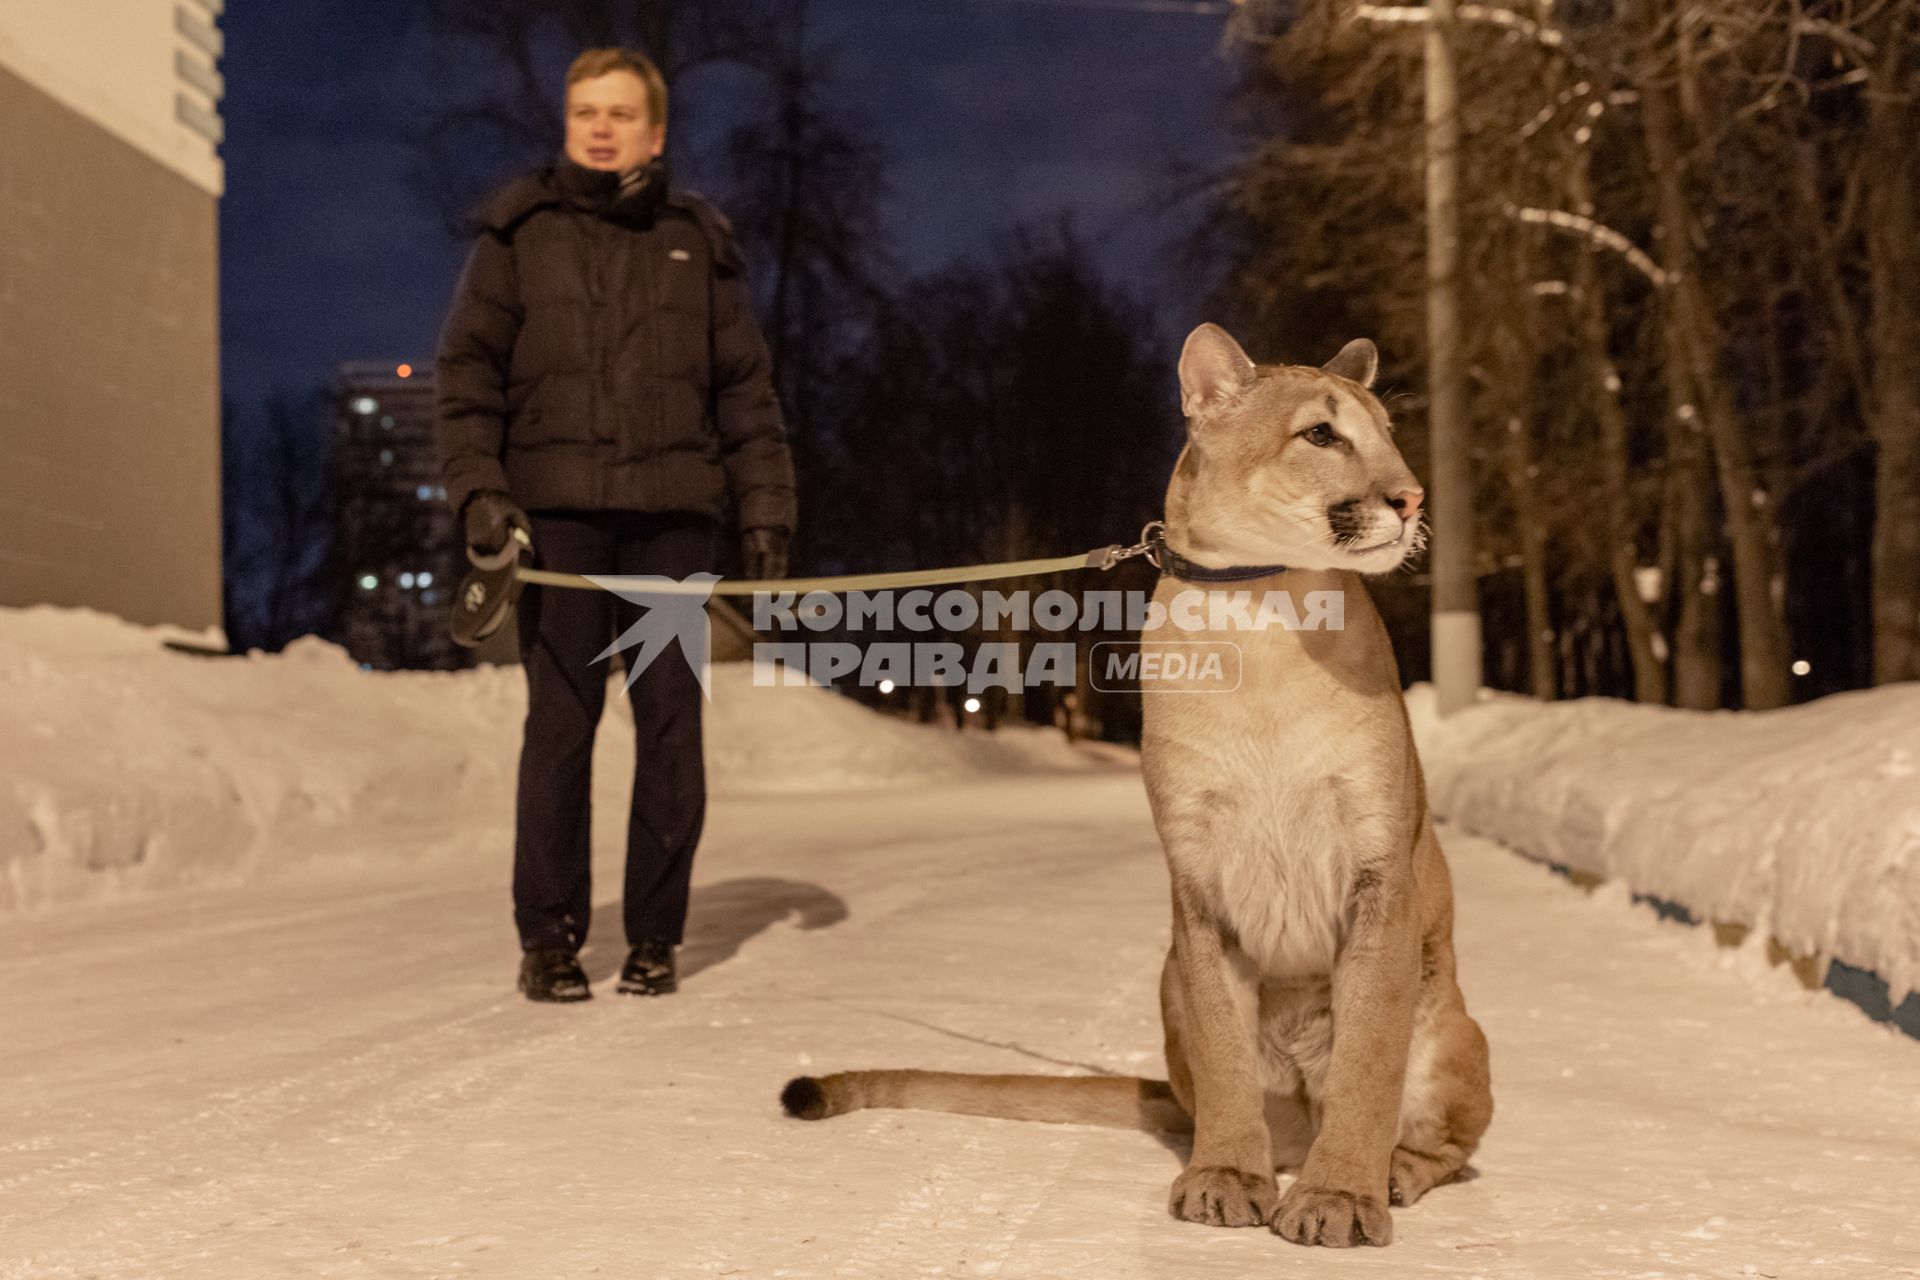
x=486, y=598
x=1152, y=546
x=835, y=583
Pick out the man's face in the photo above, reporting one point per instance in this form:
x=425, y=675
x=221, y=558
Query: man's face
x=608, y=124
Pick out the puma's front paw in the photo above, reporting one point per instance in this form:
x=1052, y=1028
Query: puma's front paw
x=1222, y=1197
x=1323, y=1215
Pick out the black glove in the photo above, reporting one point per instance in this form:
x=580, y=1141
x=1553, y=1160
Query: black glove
x=491, y=518
x=763, y=553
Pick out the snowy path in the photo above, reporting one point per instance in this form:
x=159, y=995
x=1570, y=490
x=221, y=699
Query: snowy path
x=317, y=1077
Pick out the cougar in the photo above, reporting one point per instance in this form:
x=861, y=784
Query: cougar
x=1312, y=1015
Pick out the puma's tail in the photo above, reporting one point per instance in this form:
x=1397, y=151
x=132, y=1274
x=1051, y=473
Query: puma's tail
x=1112, y=1102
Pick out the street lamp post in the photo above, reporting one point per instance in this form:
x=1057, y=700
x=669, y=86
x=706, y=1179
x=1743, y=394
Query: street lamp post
x=1456, y=600
x=1455, y=641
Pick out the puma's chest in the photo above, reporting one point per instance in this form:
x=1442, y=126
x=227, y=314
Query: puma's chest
x=1259, y=825
x=1278, y=873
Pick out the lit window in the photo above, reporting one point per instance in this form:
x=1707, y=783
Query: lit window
x=406, y=582
x=424, y=579
x=365, y=404
x=368, y=582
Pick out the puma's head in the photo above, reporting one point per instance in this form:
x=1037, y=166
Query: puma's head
x=1289, y=464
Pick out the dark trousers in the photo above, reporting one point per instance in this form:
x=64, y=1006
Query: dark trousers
x=562, y=631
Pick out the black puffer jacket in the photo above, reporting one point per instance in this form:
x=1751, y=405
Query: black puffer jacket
x=601, y=353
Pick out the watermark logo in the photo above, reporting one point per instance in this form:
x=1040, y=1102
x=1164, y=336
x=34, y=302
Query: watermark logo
x=1200, y=666
x=675, y=616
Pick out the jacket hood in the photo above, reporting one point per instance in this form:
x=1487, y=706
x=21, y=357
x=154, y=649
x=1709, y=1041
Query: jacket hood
x=595, y=191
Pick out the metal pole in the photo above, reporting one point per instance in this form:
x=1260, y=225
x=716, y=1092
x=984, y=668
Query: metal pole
x=1456, y=601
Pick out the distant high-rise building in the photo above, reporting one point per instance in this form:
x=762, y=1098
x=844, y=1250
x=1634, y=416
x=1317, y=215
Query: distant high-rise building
x=110, y=182
x=397, y=553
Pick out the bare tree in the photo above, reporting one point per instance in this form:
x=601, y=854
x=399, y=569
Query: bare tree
x=1891, y=173
x=297, y=514
x=274, y=523
x=1695, y=351
x=237, y=552
x=1004, y=409
x=1734, y=195
x=807, y=186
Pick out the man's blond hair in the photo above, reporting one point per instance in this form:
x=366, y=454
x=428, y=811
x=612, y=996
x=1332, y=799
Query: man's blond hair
x=594, y=63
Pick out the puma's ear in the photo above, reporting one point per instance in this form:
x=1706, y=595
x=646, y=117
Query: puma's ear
x=1213, y=370
x=1358, y=361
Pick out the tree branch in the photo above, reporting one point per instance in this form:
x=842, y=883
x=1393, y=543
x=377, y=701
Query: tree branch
x=1487, y=15
x=1594, y=233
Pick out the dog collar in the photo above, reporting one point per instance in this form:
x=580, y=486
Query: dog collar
x=1171, y=562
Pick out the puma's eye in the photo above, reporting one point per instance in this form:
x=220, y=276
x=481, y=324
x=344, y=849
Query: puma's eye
x=1321, y=434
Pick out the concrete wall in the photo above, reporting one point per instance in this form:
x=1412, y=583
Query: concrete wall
x=143, y=70
x=109, y=329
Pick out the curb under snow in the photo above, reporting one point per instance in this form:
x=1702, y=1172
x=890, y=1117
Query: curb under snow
x=1802, y=824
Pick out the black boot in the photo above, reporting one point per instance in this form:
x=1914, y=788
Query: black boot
x=649, y=970
x=553, y=976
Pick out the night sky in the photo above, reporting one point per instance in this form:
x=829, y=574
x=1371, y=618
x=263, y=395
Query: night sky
x=990, y=112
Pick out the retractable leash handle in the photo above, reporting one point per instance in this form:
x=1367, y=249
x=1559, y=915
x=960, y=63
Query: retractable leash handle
x=518, y=542
x=488, y=593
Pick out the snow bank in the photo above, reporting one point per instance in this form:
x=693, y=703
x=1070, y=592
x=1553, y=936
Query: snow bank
x=126, y=767
x=1803, y=823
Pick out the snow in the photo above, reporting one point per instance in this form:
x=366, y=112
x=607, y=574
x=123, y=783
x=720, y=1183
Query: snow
x=1802, y=822
x=314, y=1064
x=126, y=767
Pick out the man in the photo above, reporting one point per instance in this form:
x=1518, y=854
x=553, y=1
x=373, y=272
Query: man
x=602, y=386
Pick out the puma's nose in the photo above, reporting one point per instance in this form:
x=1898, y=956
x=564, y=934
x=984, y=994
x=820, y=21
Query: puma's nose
x=1407, y=503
